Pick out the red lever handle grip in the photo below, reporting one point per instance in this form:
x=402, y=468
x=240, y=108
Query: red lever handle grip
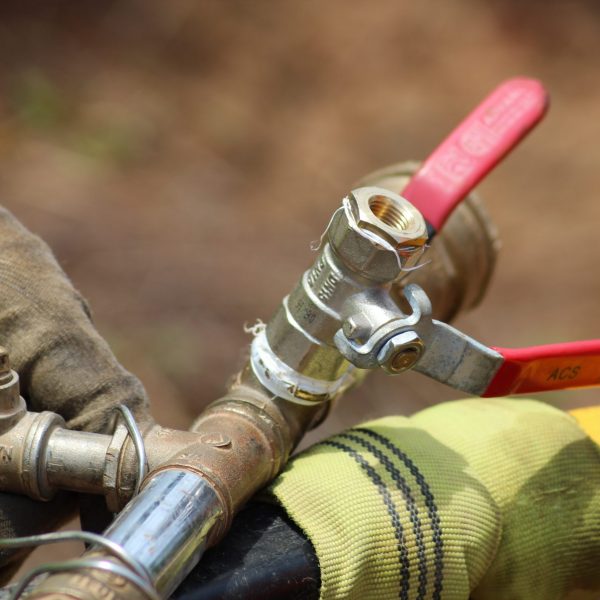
x=475, y=147
x=546, y=368
x=454, y=168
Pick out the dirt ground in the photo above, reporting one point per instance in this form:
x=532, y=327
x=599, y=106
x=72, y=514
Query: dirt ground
x=179, y=157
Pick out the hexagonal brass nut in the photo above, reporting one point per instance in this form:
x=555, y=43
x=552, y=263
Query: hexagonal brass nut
x=400, y=353
x=462, y=256
x=377, y=233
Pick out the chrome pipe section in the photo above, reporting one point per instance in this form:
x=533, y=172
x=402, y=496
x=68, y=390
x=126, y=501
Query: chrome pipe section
x=167, y=526
x=163, y=531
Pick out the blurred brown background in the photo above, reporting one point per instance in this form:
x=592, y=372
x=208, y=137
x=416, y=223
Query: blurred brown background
x=180, y=156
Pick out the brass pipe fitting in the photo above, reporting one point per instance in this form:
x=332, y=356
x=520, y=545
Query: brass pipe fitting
x=88, y=583
x=23, y=453
x=39, y=456
x=243, y=440
x=236, y=447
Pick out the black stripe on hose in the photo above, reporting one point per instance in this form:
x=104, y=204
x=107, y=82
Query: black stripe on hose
x=436, y=529
x=411, y=506
x=391, y=509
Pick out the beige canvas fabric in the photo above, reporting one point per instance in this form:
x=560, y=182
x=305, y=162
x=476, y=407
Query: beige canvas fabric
x=63, y=363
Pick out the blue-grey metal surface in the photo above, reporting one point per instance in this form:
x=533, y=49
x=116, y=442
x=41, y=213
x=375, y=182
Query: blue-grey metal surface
x=166, y=527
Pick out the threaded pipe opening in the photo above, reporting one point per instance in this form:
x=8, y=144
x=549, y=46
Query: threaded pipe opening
x=390, y=213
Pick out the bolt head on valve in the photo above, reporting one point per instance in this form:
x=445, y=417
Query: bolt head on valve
x=377, y=233
x=400, y=353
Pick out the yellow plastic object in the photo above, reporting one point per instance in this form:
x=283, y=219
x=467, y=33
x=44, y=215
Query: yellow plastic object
x=589, y=420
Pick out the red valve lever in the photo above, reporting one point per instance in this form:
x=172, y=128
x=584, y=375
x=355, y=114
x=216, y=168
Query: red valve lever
x=475, y=147
x=453, y=169
x=546, y=368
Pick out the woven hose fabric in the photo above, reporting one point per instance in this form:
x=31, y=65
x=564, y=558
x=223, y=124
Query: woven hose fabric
x=482, y=499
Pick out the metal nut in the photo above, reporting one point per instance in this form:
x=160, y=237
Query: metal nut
x=462, y=256
x=401, y=352
x=377, y=233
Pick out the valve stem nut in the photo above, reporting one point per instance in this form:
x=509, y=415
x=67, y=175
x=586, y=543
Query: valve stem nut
x=377, y=234
x=400, y=352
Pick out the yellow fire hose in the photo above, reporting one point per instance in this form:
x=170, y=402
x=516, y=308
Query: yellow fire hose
x=483, y=499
